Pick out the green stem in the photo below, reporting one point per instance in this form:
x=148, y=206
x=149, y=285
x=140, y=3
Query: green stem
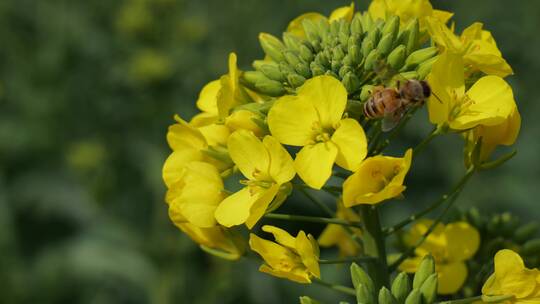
x=336, y=287
x=359, y=259
x=462, y=301
x=312, y=219
x=431, y=228
x=434, y=133
x=374, y=246
x=455, y=191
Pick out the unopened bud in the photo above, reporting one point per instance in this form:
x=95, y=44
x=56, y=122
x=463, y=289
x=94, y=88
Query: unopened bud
x=272, y=46
x=415, y=297
x=272, y=71
x=531, y=247
x=355, y=54
x=316, y=69
x=337, y=54
x=303, y=70
x=367, y=22
x=413, y=35
x=308, y=300
x=344, y=70
x=291, y=58
x=292, y=42
x=426, y=269
x=372, y=60
x=526, y=231
x=295, y=80
x=367, y=46
x=311, y=30
x=396, y=58
x=419, y=56
x=401, y=287
x=425, y=67
x=351, y=82
x=429, y=289
x=356, y=25
x=306, y=54
x=322, y=59
x=386, y=43
x=270, y=87
x=391, y=26
x=364, y=295
x=386, y=297
x=361, y=278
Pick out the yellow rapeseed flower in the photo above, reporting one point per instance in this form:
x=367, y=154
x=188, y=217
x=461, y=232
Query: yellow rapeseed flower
x=450, y=245
x=296, y=28
x=489, y=102
x=512, y=278
x=407, y=10
x=314, y=120
x=377, y=179
x=217, y=237
x=476, y=45
x=267, y=167
x=296, y=259
x=336, y=235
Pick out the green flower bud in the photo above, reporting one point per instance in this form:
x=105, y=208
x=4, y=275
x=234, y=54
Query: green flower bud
x=351, y=82
x=374, y=36
x=367, y=22
x=347, y=60
x=474, y=217
x=272, y=71
x=415, y=297
x=272, y=46
x=270, y=87
x=409, y=75
x=364, y=295
x=344, y=40
x=291, y=58
x=331, y=73
x=334, y=28
x=303, y=69
x=531, y=247
x=372, y=60
x=344, y=70
x=308, y=300
x=386, y=297
x=361, y=278
x=285, y=68
x=396, y=58
x=336, y=65
x=356, y=25
x=295, y=80
x=322, y=59
x=401, y=287
x=250, y=78
x=316, y=69
x=391, y=26
x=311, y=30
x=526, y=231
x=386, y=43
x=413, y=35
x=324, y=28
x=419, y=56
x=306, y=54
x=256, y=64
x=355, y=54
x=337, y=54
x=426, y=269
x=292, y=42
x=354, y=107
x=425, y=67
x=429, y=289
x=367, y=46
x=367, y=91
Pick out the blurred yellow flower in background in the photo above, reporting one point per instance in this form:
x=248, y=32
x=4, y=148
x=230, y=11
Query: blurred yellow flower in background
x=377, y=179
x=337, y=235
x=313, y=120
x=291, y=258
x=450, y=245
x=407, y=10
x=296, y=27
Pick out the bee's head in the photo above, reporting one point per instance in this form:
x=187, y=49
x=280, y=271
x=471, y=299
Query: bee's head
x=426, y=89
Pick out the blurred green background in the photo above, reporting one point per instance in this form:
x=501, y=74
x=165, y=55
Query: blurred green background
x=87, y=90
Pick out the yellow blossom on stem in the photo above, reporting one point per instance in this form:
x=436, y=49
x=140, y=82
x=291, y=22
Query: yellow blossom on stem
x=267, y=167
x=512, y=278
x=450, y=245
x=337, y=235
x=218, y=238
x=489, y=102
x=476, y=45
x=313, y=119
x=290, y=258
x=377, y=179
x=407, y=10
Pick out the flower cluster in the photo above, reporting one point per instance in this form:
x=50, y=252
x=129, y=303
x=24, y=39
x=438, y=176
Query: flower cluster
x=318, y=114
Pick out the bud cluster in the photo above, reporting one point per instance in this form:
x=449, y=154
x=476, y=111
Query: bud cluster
x=359, y=53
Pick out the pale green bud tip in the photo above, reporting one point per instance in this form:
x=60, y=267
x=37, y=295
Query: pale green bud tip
x=426, y=268
x=429, y=289
x=386, y=297
x=531, y=247
x=396, y=59
x=307, y=300
x=361, y=278
x=401, y=287
x=272, y=46
x=526, y=231
x=415, y=297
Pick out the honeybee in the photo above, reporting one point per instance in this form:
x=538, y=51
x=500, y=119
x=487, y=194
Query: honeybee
x=392, y=103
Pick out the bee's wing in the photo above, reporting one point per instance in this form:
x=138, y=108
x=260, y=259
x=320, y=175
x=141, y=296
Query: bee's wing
x=392, y=118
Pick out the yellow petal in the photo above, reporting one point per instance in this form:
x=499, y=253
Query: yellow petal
x=281, y=236
x=215, y=237
x=377, y=9
x=443, y=36
x=328, y=96
x=228, y=95
x=260, y=206
x=236, y=209
x=351, y=141
x=314, y=163
x=281, y=163
x=201, y=194
x=249, y=154
x=345, y=12
x=463, y=241
x=296, y=27
x=174, y=165
x=291, y=121
x=203, y=119
x=435, y=244
x=410, y=265
x=215, y=134
x=447, y=83
x=243, y=120
x=299, y=275
x=308, y=254
x=207, y=101
x=487, y=58
x=271, y=252
x=502, y=134
x=511, y=276
x=492, y=103
x=182, y=136
x=451, y=277
x=441, y=15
